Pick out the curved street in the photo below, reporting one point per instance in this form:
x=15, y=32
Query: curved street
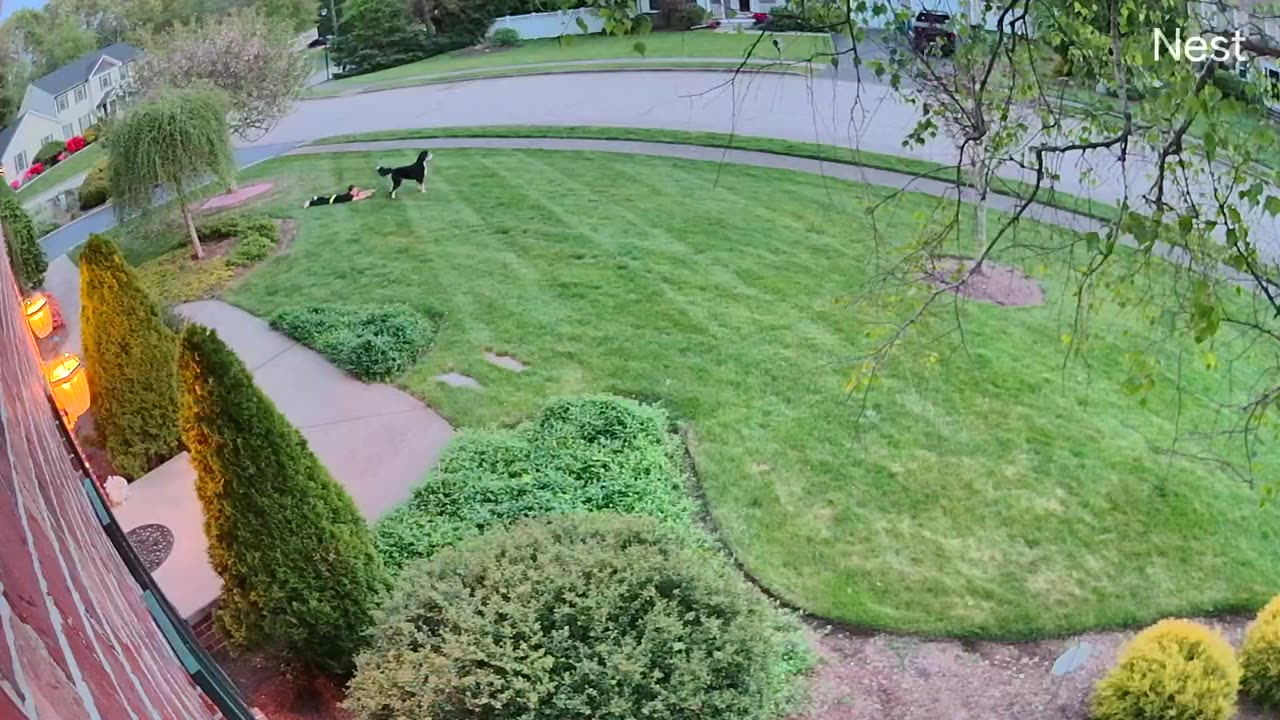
x=824, y=109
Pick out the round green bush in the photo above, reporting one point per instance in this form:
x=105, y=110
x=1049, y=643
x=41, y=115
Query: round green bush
x=1260, y=656
x=1173, y=670
x=596, y=453
x=96, y=188
x=505, y=37
x=600, y=617
x=372, y=342
x=49, y=152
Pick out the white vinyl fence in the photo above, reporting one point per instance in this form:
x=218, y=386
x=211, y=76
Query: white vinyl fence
x=550, y=24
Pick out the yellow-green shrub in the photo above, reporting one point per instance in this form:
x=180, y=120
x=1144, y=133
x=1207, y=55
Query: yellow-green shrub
x=1260, y=656
x=1173, y=670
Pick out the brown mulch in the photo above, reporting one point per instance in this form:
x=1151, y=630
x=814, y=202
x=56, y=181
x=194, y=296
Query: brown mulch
x=283, y=694
x=888, y=677
x=991, y=282
x=236, y=197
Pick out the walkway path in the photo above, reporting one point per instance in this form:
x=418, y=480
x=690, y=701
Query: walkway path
x=376, y=440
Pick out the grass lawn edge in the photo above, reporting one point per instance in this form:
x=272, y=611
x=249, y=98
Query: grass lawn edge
x=777, y=68
x=1095, y=209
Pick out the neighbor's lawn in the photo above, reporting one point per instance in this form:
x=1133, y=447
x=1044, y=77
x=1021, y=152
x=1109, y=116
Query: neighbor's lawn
x=701, y=44
x=81, y=162
x=1000, y=492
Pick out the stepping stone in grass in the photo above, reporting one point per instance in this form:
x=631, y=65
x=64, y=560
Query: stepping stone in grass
x=505, y=361
x=459, y=380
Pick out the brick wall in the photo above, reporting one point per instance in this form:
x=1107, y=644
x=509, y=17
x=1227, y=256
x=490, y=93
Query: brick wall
x=76, y=640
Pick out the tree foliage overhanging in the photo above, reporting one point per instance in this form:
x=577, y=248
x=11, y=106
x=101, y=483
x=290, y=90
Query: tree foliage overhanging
x=246, y=55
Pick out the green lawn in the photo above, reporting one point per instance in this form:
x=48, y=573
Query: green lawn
x=832, y=153
x=329, y=89
x=702, y=44
x=1000, y=493
x=79, y=163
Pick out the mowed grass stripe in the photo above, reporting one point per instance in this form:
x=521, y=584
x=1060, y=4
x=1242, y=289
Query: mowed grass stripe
x=1003, y=493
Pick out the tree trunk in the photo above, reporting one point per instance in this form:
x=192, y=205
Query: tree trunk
x=197, y=250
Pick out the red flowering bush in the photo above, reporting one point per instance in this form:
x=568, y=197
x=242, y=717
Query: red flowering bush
x=75, y=144
x=34, y=170
x=62, y=156
x=15, y=184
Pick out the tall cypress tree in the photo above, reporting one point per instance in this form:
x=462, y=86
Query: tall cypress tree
x=26, y=257
x=300, y=573
x=131, y=357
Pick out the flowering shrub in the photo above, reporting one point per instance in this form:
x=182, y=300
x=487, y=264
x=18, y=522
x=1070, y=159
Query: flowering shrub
x=34, y=170
x=62, y=156
x=15, y=184
x=76, y=144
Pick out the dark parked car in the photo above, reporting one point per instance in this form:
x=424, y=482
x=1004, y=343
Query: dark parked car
x=931, y=34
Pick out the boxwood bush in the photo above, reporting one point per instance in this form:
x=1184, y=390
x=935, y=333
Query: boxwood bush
x=96, y=188
x=372, y=342
x=1173, y=669
x=1260, y=656
x=606, y=617
x=587, y=454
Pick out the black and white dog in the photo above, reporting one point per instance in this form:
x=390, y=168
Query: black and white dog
x=416, y=172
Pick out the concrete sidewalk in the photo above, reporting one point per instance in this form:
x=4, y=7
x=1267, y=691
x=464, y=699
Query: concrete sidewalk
x=376, y=440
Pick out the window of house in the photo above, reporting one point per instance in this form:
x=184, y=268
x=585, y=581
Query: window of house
x=86, y=122
x=20, y=162
x=104, y=81
x=62, y=103
x=124, y=72
x=46, y=139
x=82, y=92
x=68, y=131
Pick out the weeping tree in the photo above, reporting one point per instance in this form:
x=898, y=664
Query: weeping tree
x=173, y=141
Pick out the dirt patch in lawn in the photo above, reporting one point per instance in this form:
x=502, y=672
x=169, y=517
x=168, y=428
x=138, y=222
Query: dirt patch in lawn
x=991, y=282
x=874, y=677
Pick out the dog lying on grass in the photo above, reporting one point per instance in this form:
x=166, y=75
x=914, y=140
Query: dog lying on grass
x=416, y=172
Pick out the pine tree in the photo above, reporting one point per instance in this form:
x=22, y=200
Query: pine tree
x=299, y=570
x=131, y=360
x=26, y=257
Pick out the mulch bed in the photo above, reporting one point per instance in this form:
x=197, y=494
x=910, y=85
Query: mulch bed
x=878, y=677
x=991, y=282
x=282, y=694
x=237, y=197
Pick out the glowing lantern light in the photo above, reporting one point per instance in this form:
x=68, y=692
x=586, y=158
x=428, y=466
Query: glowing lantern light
x=39, y=315
x=70, y=385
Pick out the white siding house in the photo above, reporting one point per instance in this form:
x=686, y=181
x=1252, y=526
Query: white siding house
x=65, y=103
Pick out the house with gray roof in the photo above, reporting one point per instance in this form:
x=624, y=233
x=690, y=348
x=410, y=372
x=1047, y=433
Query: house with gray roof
x=65, y=103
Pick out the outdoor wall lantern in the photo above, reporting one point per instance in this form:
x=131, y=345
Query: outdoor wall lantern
x=39, y=315
x=70, y=386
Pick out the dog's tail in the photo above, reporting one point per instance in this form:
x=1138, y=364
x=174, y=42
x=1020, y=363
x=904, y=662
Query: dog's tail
x=384, y=171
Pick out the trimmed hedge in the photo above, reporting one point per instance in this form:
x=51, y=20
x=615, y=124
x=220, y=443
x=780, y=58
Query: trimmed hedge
x=49, y=152
x=96, y=188
x=237, y=226
x=589, y=454
x=299, y=570
x=131, y=359
x=605, y=617
x=1260, y=656
x=26, y=256
x=1175, y=669
x=372, y=342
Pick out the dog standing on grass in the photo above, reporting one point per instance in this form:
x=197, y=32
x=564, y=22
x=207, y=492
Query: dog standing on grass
x=416, y=172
